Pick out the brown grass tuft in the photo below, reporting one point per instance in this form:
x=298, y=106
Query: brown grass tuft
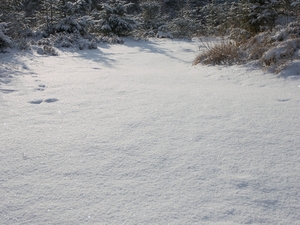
x=224, y=52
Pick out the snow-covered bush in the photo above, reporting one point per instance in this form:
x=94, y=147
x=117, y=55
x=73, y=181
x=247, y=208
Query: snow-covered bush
x=74, y=40
x=111, y=39
x=163, y=32
x=45, y=41
x=182, y=27
x=114, y=19
x=47, y=50
x=5, y=41
x=70, y=24
x=274, y=49
x=141, y=34
x=66, y=40
x=46, y=46
x=285, y=50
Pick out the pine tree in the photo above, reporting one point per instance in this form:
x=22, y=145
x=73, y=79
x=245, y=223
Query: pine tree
x=15, y=18
x=9, y=6
x=31, y=6
x=113, y=18
x=215, y=17
x=255, y=15
x=71, y=24
x=48, y=15
x=84, y=7
x=263, y=14
x=5, y=41
x=64, y=8
x=150, y=14
x=185, y=24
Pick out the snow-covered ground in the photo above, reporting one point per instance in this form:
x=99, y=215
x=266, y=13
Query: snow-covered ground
x=134, y=134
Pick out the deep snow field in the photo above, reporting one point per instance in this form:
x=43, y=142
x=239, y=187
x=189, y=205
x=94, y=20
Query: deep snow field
x=134, y=134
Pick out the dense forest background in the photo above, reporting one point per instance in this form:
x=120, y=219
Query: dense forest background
x=83, y=23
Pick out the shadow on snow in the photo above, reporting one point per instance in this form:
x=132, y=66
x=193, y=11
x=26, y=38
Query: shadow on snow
x=97, y=56
x=10, y=66
x=152, y=47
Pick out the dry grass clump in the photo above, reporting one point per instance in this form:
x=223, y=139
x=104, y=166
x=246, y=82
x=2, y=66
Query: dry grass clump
x=273, y=50
x=221, y=53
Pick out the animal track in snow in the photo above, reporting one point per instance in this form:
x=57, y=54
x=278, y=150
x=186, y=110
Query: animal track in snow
x=36, y=101
x=39, y=101
x=284, y=100
x=50, y=100
x=6, y=91
x=41, y=87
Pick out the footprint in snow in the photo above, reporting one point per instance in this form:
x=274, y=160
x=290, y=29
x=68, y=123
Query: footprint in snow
x=41, y=87
x=36, y=101
x=39, y=101
x=284, y=100
x=50, y=100
x=7, y=91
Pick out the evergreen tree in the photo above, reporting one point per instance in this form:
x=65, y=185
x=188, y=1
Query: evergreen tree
x=9, y=6
x=185, y=24
x=71, y=24
x=255, y=15
x=15, y=18
x=113, y=18
x=215, y=17
x=84, y=7
x=263, y=14
x=65, y=8
x=5, y=41
x=48, y=16
x=150, y=14
x=31, y=6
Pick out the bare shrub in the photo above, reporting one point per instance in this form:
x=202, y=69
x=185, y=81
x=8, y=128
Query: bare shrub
x=221, y=53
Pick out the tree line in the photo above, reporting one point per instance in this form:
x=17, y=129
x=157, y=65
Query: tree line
x=22, y=20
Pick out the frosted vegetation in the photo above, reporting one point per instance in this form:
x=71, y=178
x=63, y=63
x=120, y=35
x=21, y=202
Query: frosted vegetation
x=270, y=25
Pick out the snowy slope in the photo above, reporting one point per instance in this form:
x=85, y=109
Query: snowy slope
x=133, y=134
